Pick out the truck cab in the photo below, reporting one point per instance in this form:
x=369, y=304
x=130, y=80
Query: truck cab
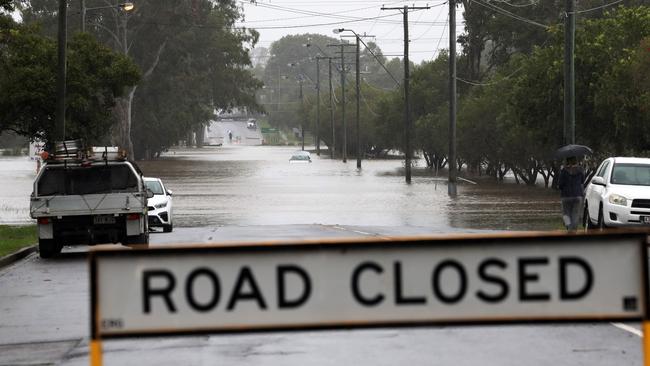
x=91, y=197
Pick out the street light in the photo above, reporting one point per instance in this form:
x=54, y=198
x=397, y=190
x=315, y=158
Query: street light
x=128, y=6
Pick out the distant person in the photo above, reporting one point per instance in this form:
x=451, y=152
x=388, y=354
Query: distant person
x=230, y=136
x=572, y=193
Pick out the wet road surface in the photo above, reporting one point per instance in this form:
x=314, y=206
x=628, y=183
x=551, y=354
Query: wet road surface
x=237, y=193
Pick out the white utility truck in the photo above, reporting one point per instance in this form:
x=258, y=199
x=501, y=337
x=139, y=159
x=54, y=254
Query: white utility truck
x=87, y=197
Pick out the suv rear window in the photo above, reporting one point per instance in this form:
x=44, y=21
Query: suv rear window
x=87, y=180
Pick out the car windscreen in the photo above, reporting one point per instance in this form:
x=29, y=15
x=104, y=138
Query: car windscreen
x=87, y=180
x=631, y=174
x=154, y=186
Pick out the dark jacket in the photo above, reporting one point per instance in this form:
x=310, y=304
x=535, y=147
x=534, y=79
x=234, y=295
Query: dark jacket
x=570, y=182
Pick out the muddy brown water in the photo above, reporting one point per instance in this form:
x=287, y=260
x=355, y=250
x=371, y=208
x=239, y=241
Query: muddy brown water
x=239, y=185
x=256, y=185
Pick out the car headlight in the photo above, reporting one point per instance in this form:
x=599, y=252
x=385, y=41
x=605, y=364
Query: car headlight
x=618, y=200
x=161, y=205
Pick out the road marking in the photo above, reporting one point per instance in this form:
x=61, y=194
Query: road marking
x=628, y=328
x=354, y=231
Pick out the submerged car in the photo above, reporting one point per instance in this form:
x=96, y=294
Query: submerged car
x=619, y=194
x=160, y=205
x=300, y=157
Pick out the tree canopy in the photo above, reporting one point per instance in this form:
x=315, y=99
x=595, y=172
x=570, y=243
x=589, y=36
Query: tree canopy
x=96, y=76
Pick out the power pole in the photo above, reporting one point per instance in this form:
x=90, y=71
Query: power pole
x=83, y=15
x=302, y=115
x=407, y=107
x=345, y=130
x=59, y=131
x=317, y=106
x=569, y=73
x=451, y=160
x=331, y=110
x=358, y=114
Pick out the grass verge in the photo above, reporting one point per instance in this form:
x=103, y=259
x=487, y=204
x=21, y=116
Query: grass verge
x=13, y=238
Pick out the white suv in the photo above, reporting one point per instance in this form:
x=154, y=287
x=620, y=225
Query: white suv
x=160, y=205
x=619, y=193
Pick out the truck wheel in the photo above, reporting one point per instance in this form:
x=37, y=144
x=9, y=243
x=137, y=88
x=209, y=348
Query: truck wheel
x=48, y=248
x=137, y=242
x=168, y=228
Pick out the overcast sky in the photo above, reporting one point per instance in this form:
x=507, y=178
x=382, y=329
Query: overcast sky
x=428, y=29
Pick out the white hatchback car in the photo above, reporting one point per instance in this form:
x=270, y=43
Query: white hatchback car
x=160, y=205
x=619, y=194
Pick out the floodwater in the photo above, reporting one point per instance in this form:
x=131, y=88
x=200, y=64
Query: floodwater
x=256, y=185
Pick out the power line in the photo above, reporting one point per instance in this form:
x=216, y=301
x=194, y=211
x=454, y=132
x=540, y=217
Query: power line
x=598, y=7
x=507, y=13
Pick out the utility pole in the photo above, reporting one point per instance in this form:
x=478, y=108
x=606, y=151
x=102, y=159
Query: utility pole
x=569, y=73
x=407, y=106
x=358, y=93
x=83, y=15
x=331, y=110
x=329, y=59
x=358, y=87
x=451, y=160
x=317, y=106
x=59, y=131
x=345, y=129
x=302, y=114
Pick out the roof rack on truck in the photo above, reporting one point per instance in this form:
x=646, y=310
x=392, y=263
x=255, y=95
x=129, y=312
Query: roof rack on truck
x=74, y=151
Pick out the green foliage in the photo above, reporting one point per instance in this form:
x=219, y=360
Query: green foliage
x=199, y=69
x=96, y=75
x=13, y=238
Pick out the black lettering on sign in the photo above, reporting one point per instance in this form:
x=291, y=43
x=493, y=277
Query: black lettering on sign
x=282, y=271
x=400, y=298
x=526, y=277
x=356, y=292
x=491, y=278
x=214, y=285
x=164, y=291
x=462, y=279
x=564, y=263
x=246, y=277
x=112, y=324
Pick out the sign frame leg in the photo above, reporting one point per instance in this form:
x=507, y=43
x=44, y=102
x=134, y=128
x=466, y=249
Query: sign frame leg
x=95, y=352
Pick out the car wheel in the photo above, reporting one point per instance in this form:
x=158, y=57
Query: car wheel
x=586, y=220
x=168, y=228
x=48, y=248
x=601, y=219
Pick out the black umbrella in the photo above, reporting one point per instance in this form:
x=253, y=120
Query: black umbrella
x=572, y=151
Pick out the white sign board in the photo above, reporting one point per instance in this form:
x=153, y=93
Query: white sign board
x=479, y=279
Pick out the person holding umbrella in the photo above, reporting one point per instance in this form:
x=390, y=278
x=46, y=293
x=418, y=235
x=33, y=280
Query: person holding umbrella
x=570, y=183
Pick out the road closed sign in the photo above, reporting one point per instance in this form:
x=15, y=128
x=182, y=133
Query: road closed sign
x=464, y=279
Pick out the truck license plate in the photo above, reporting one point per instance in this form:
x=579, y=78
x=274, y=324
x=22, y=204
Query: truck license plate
x=103, y=220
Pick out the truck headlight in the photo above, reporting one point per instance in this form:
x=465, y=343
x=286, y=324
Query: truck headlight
x=618, y=200
x=161, y=205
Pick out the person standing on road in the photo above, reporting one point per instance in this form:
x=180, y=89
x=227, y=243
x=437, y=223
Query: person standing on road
x=230, y=136
x=572, y=193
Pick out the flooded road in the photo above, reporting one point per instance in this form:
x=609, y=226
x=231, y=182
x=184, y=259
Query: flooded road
x=256, y=185
x=243, y=186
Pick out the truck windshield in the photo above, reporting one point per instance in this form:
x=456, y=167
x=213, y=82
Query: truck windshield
x=87, y=180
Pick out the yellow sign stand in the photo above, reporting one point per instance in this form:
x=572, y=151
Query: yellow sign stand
x=95, y=352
